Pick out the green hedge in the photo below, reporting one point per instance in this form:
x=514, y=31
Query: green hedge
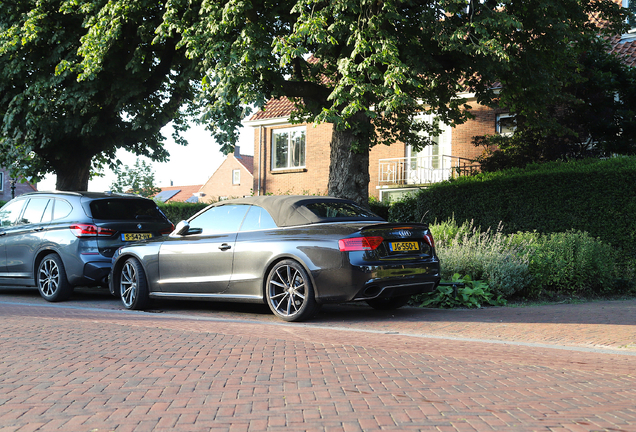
x=593, y=196
x=2, y=203
x=178, y=211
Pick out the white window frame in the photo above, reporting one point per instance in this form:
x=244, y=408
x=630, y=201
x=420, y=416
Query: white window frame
x=510, y=131
x=1, y=182
x=288, y=164
x=236, y=177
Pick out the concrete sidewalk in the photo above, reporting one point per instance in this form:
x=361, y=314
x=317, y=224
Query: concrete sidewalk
x=88, y=366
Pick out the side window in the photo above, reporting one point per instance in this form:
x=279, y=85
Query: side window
x=220, y=219
x=257, y=219
x=61, y=209
x=34, y=210
x=48, y=212
x=1, y=181
x=10, y=212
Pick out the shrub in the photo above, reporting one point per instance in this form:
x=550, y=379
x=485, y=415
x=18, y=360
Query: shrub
x=2, y=203
x=473, y=294
x=490, y=256
x=571, y=262
x=178, y=211
x=547, y=198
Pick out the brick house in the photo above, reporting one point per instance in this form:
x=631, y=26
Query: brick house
x=294, y=159
x=20, y=188
x=233, y=179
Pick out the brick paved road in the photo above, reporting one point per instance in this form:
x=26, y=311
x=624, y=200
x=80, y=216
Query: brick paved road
x=85, y=365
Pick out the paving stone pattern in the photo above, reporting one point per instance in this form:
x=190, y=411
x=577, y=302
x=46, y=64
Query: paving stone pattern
x=75, y=369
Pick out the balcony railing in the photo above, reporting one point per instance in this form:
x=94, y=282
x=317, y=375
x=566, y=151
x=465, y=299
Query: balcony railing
x=423, y=170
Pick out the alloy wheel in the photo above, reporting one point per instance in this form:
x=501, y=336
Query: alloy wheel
x=287, y=290
x=48, y=277
x=128, y=284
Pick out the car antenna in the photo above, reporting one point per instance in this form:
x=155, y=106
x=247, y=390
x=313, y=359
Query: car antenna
x=423, y=216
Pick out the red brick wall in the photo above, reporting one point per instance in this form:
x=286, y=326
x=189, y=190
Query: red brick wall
x=220, y=184
x=311, y=180
x=462, y=135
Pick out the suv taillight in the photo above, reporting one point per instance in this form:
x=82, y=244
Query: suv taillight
x=359, y=243
x=168, y=230
x=88, y=230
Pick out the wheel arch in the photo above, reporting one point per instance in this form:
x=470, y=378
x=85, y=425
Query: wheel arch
x=38, y=259
x=116, y=271
x=278, y=259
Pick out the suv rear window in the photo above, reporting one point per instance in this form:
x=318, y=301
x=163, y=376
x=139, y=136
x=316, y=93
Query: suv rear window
x=125, y=209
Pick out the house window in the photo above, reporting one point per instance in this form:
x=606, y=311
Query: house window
x=288, y=148
x=236, y=176
x=631, y=6
x=1, y=181
x=505, y=124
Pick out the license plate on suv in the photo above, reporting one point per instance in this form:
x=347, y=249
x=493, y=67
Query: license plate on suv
x=404, y=246
x=135, y=236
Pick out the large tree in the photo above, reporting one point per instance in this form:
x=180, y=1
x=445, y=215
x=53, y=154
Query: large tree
x=595, y=117
x=371, y=67
x=58, y=117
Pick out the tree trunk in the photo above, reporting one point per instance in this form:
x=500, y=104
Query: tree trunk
x=348, y=171
x=73, y=173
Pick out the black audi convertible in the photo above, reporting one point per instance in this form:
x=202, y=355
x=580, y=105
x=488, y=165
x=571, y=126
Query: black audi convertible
x=294, y=253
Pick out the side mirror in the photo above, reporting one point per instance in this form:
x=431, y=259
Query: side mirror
x=182, y=228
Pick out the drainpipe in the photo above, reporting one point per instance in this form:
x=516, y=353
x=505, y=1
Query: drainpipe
x=260, y=157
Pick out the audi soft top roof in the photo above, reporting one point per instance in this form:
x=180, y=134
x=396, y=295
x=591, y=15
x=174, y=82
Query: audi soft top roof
x=293, y=210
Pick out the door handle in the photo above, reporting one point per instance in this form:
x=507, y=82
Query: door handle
x=38, y=229
x=225, y=246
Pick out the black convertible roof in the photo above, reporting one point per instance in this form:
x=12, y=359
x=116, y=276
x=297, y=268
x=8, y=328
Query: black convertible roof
x=291, y=210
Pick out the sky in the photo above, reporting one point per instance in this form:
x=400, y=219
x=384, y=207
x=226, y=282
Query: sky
x=193, y=164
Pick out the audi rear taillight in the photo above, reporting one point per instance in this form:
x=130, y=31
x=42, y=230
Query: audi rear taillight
x=359, y=243
x=88, y=230
x=428, y=238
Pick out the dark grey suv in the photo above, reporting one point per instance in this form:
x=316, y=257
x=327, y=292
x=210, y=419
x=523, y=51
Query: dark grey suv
x=59, y=240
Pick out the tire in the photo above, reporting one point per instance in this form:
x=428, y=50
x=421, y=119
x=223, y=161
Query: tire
x=289, y=292
x=388, y=303
x=51, y=279
x=133, y=286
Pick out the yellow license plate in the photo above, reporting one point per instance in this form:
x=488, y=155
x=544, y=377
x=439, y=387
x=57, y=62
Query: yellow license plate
x=404, y=246
x=135, y=236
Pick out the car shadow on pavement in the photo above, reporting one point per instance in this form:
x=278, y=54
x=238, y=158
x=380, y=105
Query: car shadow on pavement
x=613, y=312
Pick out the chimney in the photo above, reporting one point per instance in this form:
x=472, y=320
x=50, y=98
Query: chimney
x=237, y=152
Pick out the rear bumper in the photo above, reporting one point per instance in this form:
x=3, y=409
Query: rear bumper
x=97, y=271
x=366, y=282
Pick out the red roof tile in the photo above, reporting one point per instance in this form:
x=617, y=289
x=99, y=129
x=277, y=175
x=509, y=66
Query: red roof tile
x=247, y=161
x=275, y=108
x=626, y=49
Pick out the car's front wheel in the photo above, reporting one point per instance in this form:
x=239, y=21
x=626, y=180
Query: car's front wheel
x=133, y=286
x=289, y=292
x=51, y=279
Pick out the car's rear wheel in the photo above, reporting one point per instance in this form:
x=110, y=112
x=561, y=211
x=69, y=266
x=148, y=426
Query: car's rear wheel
x=51, y=279
x=388, y=303
x=290, y=294
x=133, y=286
